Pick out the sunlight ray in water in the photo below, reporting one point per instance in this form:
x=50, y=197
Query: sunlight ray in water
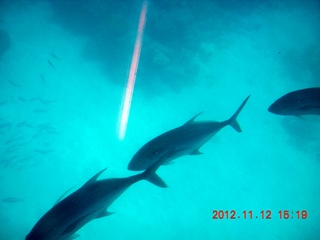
x=125, y=108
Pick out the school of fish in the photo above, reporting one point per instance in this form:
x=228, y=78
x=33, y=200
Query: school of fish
x=92, y=200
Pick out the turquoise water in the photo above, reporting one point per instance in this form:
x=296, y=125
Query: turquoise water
x=64, y=67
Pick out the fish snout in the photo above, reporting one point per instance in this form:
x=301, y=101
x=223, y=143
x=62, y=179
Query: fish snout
x=271, y=108
x=137, y=164
x=278, y=108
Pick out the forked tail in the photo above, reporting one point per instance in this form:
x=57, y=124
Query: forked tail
x=150, y=173
x=233, y=120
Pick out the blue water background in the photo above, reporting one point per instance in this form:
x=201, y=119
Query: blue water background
x=63, y=71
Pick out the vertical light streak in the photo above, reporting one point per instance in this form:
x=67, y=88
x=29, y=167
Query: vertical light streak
x=126, y=102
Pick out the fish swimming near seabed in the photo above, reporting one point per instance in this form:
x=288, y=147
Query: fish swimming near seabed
x=12, y=200
x=296, y=103
x=12, y=83
x=22, y=99
x=13, y=140
x=6, y=125
x=24, y=124
x=55, y=56
x=184, y=140
x=4, y=102
x=89, y=202
x=42, y=78
x=51, y=65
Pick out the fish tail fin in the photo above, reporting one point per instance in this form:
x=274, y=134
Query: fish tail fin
x=150, y=173
x=156, y=180
x=233, y=120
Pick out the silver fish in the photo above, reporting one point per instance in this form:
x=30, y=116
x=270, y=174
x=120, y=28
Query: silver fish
x=296, y=103
x=89, y=202
x=184, y=140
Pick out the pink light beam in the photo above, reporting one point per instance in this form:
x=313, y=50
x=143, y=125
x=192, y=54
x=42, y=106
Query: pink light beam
x=126, y=102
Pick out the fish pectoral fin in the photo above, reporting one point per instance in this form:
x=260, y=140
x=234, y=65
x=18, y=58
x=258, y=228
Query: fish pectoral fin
x=74, y=236
x=75, y=225
x=62, y=196
x=105, y=214
x=168, y=163
x=299, y=116
x=196, y=152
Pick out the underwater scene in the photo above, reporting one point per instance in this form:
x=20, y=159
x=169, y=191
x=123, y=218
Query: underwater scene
x=159, y=119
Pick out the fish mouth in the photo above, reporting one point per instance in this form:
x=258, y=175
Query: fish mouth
x=270, y=109
x=273, y=109
x=279, y=110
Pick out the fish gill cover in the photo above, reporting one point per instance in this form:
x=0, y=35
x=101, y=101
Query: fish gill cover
x=63, y=69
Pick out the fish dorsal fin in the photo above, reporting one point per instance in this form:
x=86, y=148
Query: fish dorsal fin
x=192, y=119
x=94, y=178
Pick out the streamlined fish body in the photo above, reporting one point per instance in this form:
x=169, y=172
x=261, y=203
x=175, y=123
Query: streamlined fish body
x=12, y=200
x=87, y=203
x=13, y=83
x=181, y=141
x=51, y=65
x=55, y=56
x=42, y=78
x=300, y=102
